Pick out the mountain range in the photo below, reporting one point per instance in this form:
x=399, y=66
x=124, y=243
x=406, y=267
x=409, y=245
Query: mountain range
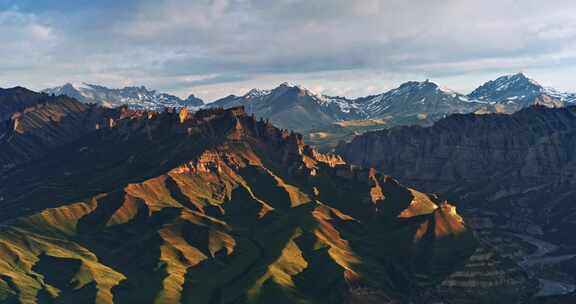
x=513, y=177
x=133, y=97
x=214, y=205
x=330, y=119
x=326, y=120
x=294, y=107
x=101, y=205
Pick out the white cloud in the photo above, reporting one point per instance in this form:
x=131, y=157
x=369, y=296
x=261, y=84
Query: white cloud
x=216, y=47
x=40, y=32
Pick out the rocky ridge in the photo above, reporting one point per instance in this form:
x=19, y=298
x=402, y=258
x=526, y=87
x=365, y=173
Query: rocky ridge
x=509, y=173
x=215, y=206
x=30, y=130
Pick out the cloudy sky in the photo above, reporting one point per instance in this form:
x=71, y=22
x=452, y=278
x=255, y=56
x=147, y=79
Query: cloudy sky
x=216, y=47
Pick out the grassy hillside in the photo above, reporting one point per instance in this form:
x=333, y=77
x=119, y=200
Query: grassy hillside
x=215, y=207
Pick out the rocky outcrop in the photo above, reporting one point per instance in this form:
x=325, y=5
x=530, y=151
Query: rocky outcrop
x=17, y=99
x=51, y=122
x=488, y=278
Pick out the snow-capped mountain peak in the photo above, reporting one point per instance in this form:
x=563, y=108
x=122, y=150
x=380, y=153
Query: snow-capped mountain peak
x=518, y=91
x=256, y=93
x=426, y=85
x=419, y=98
x=289, y=84
x=137, y=97
x=509, y=87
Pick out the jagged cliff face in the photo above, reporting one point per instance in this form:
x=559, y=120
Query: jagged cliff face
x=215, y=207
x=509, y=173
x=532, y=145
x=36, y=123
x=16, y=100
x=505, y=160
x=512, y=173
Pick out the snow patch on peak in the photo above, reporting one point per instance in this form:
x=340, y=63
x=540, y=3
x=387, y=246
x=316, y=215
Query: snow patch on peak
x=422, y=85
x=84, y=86
x=290, y=85
x=256, y=93
x=508, y=86
x=566, y=97
x=343, y=104
x=507, y=81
